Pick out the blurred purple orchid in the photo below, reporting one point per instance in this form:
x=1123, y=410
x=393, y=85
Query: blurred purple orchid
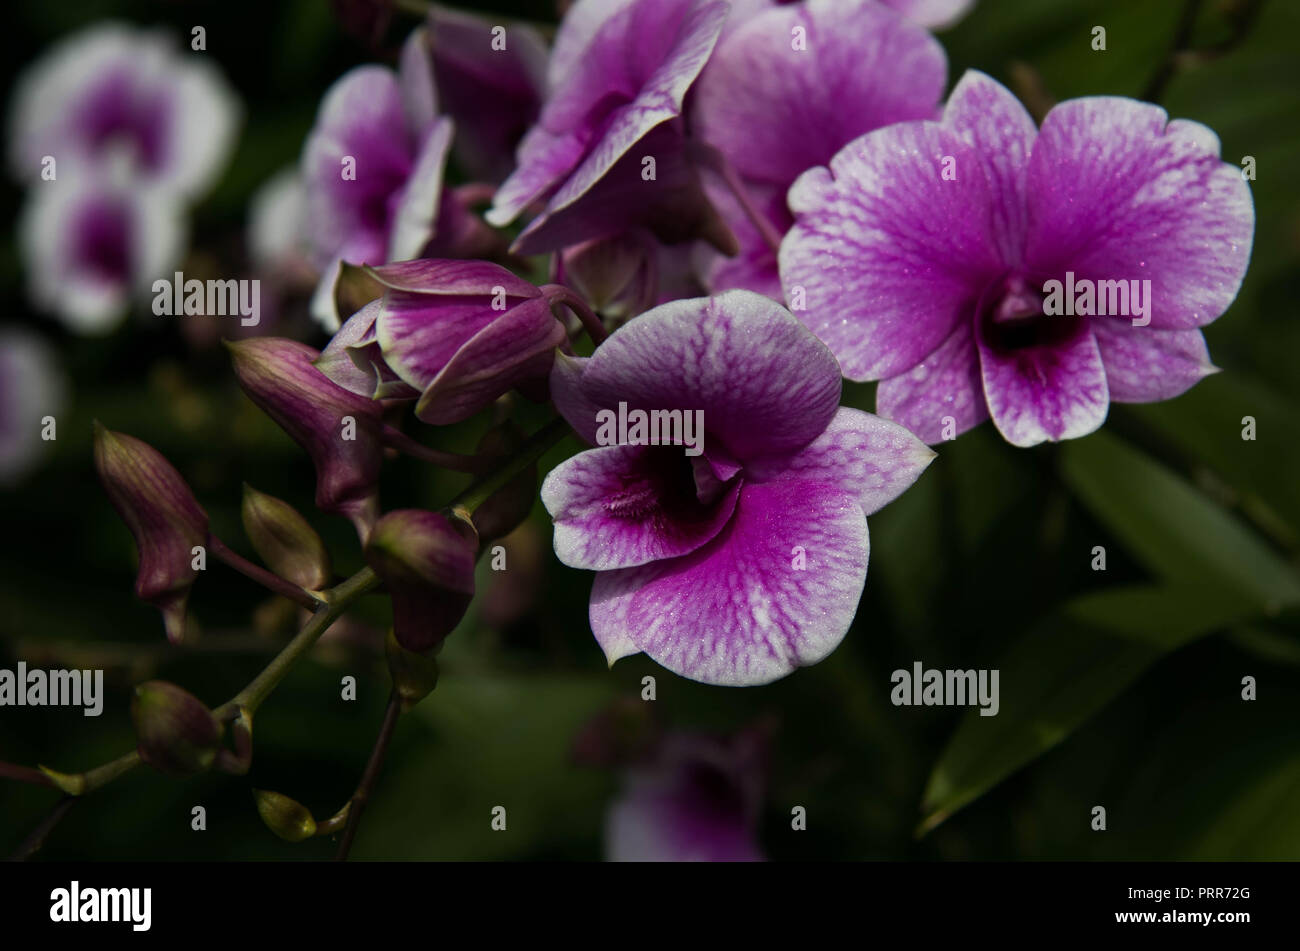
x=609, y=149
x=934, y=282
x=741, y=563
x=786, y=88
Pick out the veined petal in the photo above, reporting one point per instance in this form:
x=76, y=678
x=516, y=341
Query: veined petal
x=622, y=506
x=1144, y=365
x=870, y=458
x=740, y=611
x=1118, y=192
x=1050, y=392
x=885, y=254
x=764, y=384
x=517, y=346
x=945, y=384
x=415, y=216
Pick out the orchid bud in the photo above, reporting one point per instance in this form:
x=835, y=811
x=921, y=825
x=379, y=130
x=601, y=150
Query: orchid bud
x=287, y=818
x=505, y=508
x=341, y=431
x=616, y=275
x=458, y=333
x=284, y=540
x=427, y=564
x=414, y=675
x=163, y=515
x=176, y=733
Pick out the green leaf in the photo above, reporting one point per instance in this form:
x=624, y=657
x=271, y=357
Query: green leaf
x=1065, y=671
x=1173, y=529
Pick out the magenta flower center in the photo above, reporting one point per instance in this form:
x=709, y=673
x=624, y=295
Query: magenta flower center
x=1011, y=316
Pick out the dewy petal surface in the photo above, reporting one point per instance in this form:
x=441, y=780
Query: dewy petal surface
x=738, y=611
x=887, y=255
x=623, y=506
x=870, y=458
x=764, y=384
x=1042, y=393
x=947, y=383
x=992, y=120
x=776, y=110
x=1144, y=365
x=1117, y=192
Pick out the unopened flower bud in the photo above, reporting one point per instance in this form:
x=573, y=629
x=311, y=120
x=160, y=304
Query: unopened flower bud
x=284, y=540
x=414, y=674
x=427, y=564
x=287, y=818
x=163, y=515
x=341, y=431
x=176, y=733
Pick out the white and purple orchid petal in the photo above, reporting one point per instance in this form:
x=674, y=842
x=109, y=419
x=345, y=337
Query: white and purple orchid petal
x=452, y=278
x=355, y=164
x=354, y=360
x=416, y=82
x=943, y=395
x=493, y=94
x=1044, y=392
x=419, y=334
x=1118, y=192
x=886, y=255
x=774, y=590
x=571, y=400
x=754, y=266
x=623, y=506
x=578, y=29
x=415, y=212
x=32, y=387
x=870, y=458
x=112, y=92
x=932, y=14
x=1144, y=365
x=763, y=383
x=697, y=800
x=91, y=245
x=776, y=108
x=544, y=159
x=517, y=346
x=994, y=123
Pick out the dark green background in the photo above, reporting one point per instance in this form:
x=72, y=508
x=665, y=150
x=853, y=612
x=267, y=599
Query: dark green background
x=1119, y=689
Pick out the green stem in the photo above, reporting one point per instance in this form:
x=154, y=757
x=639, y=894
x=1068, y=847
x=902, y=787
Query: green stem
x=532, y=450
x=337, y=600
x=357, y=804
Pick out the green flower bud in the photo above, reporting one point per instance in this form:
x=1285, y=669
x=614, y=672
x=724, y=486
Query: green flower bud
x=414, y=675
x=284, y=540
x=287, y=818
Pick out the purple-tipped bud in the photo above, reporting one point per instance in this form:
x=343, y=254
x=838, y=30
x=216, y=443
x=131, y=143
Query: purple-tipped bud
x=176, y=733
x=284, y=540
x=427, y=564
x=341, y=431
x=503, y=510
x=287, y=818
x=458, y=333
x=163, y=515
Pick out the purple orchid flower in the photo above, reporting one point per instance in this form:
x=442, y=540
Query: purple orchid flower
x=115, y=93
x=373, y=172
x=619, y=75
x=746, y=560
x=786, y=88
x=94, y=242
x=454, y=335
x=928, y=253
x=491, y=80
x=697, y=799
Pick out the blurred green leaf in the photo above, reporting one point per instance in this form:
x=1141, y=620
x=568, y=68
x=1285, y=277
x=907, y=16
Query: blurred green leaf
x=1066, y=670
x=1174, y=530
